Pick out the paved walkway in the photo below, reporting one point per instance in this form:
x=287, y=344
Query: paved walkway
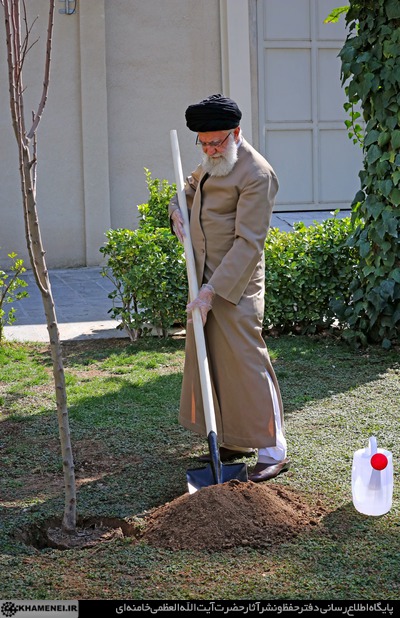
x=81, y=301
x=81, y=298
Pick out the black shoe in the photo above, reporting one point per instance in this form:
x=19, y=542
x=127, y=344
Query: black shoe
x=265, y=472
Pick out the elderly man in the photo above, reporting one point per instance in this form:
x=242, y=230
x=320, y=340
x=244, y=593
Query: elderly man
x=230, y=197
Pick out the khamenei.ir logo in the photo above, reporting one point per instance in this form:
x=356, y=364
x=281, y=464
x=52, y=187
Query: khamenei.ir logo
x=8, y=609
x=39, y=609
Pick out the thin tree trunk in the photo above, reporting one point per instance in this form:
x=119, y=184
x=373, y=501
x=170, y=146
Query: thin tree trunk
x=17, y=49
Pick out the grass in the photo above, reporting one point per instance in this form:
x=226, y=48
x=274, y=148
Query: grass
x=132, y=455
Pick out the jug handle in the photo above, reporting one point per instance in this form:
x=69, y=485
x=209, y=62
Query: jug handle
x=372, y=445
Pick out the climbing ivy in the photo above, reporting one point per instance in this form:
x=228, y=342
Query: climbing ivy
x=370, y=69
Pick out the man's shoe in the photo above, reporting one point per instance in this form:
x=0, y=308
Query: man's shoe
x=226, y=454
x=265, y=472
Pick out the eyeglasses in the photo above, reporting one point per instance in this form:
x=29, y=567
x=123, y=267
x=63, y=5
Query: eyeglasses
x=216, y=144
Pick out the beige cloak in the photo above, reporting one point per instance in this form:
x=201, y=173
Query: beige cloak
x=229, y=221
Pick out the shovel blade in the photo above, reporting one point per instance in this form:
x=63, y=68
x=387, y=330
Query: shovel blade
x=204, y=477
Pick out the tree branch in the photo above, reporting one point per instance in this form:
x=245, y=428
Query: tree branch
x=43, y=100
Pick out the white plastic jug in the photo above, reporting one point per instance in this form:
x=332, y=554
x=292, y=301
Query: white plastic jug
x=372, y=480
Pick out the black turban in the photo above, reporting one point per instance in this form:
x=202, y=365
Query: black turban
x=216, y=113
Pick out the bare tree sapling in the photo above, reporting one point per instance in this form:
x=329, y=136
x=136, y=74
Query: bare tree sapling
x=18, y=41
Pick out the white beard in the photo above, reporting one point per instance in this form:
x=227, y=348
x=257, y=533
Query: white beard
x=221, y=164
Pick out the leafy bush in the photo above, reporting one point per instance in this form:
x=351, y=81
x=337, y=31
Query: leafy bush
x=148, y=268
x=306, y=270
x=10, y=292
x=370, y=61
x=149, y=273
x=155, y=212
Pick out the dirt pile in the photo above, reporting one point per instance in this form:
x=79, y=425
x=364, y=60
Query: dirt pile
x=218, y=517
x=230, y=515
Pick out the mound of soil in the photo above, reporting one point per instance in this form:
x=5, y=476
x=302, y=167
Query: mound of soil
x=229, y=515
x=224, y=516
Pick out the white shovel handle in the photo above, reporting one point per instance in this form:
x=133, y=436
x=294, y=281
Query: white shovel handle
x=205, y=380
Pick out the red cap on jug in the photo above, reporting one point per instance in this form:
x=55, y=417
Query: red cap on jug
x=379, y=461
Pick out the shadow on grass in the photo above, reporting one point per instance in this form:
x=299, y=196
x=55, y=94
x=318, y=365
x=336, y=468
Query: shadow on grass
x=308, y=368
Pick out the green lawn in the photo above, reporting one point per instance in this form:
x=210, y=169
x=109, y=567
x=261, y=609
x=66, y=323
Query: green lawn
x=132, y=455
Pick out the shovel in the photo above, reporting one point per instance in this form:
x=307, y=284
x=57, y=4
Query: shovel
x=215, y=472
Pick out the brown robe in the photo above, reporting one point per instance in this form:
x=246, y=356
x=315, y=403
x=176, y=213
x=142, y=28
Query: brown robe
x=229, y=221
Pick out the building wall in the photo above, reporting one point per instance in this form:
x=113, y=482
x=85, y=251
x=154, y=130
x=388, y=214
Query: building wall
x=161, y=56
x=59, y=185
x=122, y=75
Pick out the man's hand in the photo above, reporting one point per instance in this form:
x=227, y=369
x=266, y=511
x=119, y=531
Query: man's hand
x=203, y=301
x=177, y=225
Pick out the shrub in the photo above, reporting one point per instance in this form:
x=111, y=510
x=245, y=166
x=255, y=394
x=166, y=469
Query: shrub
x=370, y=61
x=9, y=291
x=154, y=213
x=148, y=268
x=306, y=270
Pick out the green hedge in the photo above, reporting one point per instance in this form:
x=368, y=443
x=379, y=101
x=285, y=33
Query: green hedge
x=307, y=270
x=10, y=291
x=370, y=68
x=147, y=267
x=148, y=271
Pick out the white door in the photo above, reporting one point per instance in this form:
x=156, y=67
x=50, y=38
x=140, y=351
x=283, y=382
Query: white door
x=302, y=129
